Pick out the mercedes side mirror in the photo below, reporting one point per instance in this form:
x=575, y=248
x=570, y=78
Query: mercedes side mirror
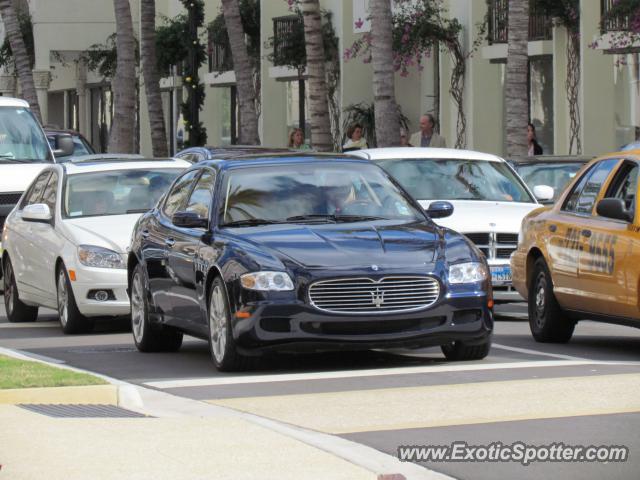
x=37, y=212
x=189, y=220
x=440, y=209
x=64, y=146
x=614, y=208
x=543, y=193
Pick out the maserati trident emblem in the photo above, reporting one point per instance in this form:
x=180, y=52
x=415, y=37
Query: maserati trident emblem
x=375, y=268
x=377, y=298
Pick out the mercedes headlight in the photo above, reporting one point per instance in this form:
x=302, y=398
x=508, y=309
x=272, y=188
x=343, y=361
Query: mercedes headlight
x=92, y=256
x=472, y=272
x=267, y=281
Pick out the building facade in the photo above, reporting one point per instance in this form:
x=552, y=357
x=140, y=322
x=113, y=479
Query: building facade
x=73, y=96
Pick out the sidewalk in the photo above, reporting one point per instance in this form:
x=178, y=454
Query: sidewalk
x=179, y=439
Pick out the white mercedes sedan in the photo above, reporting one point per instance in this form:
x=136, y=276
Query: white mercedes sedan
x=65, y=243
x=489, y=198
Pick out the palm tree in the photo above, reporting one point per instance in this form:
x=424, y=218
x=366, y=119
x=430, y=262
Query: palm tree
x=244, y=73
x=121, y=139
x=386, y=110
x=151, y=77
x=318, y=99
x=20, y=55
x=516, y=81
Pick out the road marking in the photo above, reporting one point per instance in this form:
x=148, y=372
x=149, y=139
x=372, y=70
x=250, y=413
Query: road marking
x=539, y=353
x=446, y=405
x=289, y=377
x=47, y=324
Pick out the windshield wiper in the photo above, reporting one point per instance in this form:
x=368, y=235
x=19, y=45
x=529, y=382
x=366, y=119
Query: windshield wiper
x=250, y=222
x=138, y=210
x=334, y=218
x=8, y=158
x=319, y=217
x=357, y=218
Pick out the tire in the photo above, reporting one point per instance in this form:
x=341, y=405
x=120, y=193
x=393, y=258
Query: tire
x=547, y=321
x=461, y=351
x=71, y=320
x=147, y=336
x=222, y=345
x=16, y=310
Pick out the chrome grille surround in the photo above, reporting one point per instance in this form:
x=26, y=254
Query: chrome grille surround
x=368, y=296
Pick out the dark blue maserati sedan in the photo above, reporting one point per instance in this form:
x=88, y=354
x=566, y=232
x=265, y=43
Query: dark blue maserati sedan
x=303, y=253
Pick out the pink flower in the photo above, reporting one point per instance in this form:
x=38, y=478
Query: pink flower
x=359, y=23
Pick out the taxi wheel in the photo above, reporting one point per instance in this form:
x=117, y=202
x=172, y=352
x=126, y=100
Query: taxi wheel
x=222, y=345
x=146, y=336
x=71, y=320
x=547, y=321
x=17, y=311
x=458, y=351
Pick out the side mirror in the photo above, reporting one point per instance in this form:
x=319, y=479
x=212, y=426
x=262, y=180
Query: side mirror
x=614, y=208
x=440, y=210
x=189, y=220
x=37, y=212
x=63, y=145
x=543, y=193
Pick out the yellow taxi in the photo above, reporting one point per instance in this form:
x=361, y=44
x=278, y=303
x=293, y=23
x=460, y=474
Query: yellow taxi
x=580, y=258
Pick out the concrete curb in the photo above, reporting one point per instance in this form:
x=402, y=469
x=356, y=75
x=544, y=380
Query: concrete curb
x=156, y=403
x=91, y=394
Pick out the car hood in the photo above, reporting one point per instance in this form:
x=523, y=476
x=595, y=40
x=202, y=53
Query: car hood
x=16, y=177
x=109, y=231
x=347, y=245
x=477, y=216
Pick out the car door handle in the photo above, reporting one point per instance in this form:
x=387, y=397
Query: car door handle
x=170, y=242
x=586, y=233
x=553, y=228
x=144, y=233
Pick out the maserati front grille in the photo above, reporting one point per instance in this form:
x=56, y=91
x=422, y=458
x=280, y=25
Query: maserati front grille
x=371, y=296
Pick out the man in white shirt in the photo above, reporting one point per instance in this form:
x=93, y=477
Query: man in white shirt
x=426, y=137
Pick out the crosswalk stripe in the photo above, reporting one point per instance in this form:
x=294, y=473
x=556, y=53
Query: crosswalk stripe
x=288, y=377
x=445, y=405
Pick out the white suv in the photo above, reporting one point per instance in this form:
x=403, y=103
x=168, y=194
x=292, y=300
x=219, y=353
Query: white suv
x=489, y=198
x=65, y=244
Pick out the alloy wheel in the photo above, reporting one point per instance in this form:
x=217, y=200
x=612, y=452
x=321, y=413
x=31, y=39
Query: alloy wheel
x=137, y=307
x=541, y=300
x=63, y=298
x=218, y=324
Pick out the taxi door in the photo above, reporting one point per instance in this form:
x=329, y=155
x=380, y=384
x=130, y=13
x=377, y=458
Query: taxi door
x=605, y=270
x=567, y=228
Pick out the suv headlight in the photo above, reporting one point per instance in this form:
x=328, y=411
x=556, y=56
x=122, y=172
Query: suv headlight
x=471, y=272
x=93, y=256
x=267, y=281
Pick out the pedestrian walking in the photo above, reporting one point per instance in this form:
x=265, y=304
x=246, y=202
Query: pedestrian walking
x=427, y=137
x=534, y=146
x=355, y=139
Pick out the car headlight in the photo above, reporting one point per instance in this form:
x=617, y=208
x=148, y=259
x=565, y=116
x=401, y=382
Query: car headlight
x=471, y=272
x=93, y=256
x=267, y=281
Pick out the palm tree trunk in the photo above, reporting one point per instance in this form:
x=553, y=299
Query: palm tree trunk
x=244, y=74
x=386, y=110
x=151, y=77
x=121, y=139
x=318, y=99
x=20, y=55
x=516, y=81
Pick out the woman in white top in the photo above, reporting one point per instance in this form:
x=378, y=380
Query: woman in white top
x=356, y=140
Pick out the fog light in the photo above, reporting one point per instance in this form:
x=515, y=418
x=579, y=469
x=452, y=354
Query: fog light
x=101, y=296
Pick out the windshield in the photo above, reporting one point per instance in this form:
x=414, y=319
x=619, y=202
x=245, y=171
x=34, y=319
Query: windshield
x=116, y=192
x=21, y=138
x=556, y=175
x=312, y=192
x=457, y=179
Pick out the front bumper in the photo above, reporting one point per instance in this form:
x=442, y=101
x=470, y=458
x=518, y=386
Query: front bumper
x=296, y=326
x=114, y=280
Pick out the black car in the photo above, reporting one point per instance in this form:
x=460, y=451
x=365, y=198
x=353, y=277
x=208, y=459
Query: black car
x=303, y=253
x=81, y=145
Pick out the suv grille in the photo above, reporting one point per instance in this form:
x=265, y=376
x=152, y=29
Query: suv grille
x=366, y=295
x=10, y=198
x=495, y=245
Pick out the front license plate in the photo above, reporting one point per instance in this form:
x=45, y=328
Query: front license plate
x=501, y=274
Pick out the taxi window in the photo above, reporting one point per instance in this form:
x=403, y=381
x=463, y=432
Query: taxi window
x=584, y=193
x=625, y=185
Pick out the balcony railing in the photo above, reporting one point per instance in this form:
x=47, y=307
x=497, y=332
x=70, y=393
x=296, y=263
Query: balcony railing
x=288, y=32
x=612, y=22
x=220, y=59
x=540, y=26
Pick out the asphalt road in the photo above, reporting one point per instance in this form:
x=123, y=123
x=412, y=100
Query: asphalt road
x=584, y=393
